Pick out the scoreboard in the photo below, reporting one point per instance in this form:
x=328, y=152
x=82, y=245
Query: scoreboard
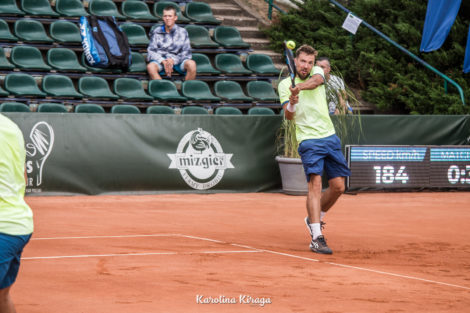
x=401, y=167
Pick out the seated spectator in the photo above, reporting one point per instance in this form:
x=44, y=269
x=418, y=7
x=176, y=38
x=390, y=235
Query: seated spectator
x=335, y=89
x=169, y=49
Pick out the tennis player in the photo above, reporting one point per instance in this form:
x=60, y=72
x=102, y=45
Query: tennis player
x=319, y=147
x=16, y=218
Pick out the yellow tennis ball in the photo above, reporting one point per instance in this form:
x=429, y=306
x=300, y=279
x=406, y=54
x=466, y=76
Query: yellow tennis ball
x=290, y=45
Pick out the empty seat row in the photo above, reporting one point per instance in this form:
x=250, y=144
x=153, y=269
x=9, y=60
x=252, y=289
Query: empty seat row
x=194, y=12
x=66, y=32
x=60, y=86
x=128, y=109
x=30, y=58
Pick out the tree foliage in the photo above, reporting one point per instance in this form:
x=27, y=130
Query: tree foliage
x=385, y=76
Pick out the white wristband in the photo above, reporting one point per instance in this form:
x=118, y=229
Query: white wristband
x=290, y=107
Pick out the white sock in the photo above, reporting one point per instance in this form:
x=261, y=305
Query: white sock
x=322, y=215
x=315, y=227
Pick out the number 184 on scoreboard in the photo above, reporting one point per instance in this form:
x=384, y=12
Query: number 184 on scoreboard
x=382, y=167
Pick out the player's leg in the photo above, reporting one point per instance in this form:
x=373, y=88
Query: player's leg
x=11, y=248
x=6, y=305
x=190, y=68
x=153, y=68
x=314, y=198
x=332, y=193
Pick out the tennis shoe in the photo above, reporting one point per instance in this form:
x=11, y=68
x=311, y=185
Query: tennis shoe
x=319, y=246
x=322, y=226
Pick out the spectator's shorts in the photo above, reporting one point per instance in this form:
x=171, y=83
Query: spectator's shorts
x=11, y=248
x=177, y=67
x=323, y=154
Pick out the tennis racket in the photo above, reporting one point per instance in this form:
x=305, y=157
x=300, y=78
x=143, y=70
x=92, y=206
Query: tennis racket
x=290, y=63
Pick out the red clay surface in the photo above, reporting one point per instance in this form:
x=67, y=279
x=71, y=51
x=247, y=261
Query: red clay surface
x=394, y=252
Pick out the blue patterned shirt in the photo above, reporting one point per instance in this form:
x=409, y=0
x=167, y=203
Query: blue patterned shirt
x=174, y=45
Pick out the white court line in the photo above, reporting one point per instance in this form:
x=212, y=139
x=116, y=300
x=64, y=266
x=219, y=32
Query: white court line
x=334, y=264
x=250, y=250
x=135, y=254
x=117, y=236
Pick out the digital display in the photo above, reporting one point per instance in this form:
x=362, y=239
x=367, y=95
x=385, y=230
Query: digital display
x=399, y=167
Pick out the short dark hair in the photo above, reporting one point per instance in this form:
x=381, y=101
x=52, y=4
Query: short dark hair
x=170, y=8
x=319, y=59
x=307, y=50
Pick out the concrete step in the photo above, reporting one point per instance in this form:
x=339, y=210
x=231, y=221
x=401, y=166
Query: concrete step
x=257, y=43
x=251, y=32
x=237, y=20
x=227, y=10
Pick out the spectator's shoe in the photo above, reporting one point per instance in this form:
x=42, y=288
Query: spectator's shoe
x=322, y=226
x=319, y=246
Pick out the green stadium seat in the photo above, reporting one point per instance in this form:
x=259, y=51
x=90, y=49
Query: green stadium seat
x=97, y=69
x=104, y=8
x=203, y=64
x=21, y=84
x=3, y=92
x=199, y=37
x=136, y=34
x=261, y=91
x=59, y=86
x=131, y=89
x=63, y=59
x=5, y=34
x=229, y=37
x=194, y=110
x=4, y=63
x=38, y=7
x=165, y=90
x=31, y=31
x=260, y=111
x=261, y=64
x=52, y=108
x=158, y=11
x=14, y=107
x=137, y=10
x=70, y=8
x=138, y=61
x=160, y=109
x=9, y=7
x=88, y=108
x=198, y=90
x=200, y=13
x=231, y=64
x=230, y=91
x=125, y=109
x=95, y=87
x=65, y=32
x=28, y=58
x=228, y=111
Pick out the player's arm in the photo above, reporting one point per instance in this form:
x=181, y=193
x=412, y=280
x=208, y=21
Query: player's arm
x=312, y=83
x=289, y=106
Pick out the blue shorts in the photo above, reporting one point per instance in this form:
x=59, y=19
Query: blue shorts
x=323, y=154
x=177, y=67
x=11, y=248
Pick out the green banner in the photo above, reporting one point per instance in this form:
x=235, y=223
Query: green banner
x=96, y=154
x=121, y=153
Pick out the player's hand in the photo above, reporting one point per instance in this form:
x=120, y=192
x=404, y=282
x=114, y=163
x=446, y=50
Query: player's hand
x=294, y=90
x=294, y=99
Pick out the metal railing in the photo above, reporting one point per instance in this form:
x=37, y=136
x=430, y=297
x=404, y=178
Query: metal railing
x=270, y=8
x=445, y=77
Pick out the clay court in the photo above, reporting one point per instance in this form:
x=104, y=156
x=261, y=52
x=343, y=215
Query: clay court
x=393, y=252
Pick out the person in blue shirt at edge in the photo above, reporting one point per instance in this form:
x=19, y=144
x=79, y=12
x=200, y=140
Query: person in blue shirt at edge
x=319, y=146
x=169, y=49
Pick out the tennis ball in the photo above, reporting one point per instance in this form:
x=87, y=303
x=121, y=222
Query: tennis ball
x=290, y=45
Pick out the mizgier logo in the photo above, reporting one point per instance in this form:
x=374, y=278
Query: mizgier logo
x=200, y=160
x=37, y=152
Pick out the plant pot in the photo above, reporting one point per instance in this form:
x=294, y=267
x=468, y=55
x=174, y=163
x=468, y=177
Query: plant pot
x=292, y=176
